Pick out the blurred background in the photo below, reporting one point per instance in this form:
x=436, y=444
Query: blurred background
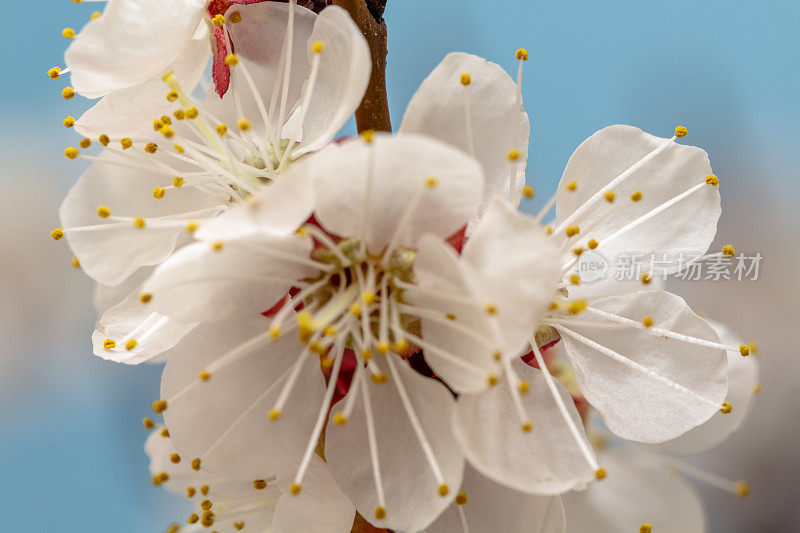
x=71, y=439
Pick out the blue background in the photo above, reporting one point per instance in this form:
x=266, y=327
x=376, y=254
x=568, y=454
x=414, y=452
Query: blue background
x=71, y=440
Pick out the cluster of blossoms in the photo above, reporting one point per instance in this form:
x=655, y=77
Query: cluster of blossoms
x=371, y=325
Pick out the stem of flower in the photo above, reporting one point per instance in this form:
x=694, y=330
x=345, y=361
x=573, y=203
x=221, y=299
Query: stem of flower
x=373, y=113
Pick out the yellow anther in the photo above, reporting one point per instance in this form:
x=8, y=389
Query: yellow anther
x=274, y=414
x=577, y=251
x=109, y=344
x=54, y=73
x=85, y=143
x=179, y=114
x=71, y=152
x=742, y=489
x=95, y=15
x=512, y=154
x=235, y=18
x=366, y=354
x=175, y=458
x=191, y=226
x=231, y=60
x=75, y=262
x=259, y=484
x=166, y=120
x=367, y=135
x=523, y=386
x=646, y=279
x=450, y=316
x=680, y=131
x=355, y=309
x=317, y=348
x=216, y=245
x=157, y=125
x=151, y=148
x=491, y=379
x=744, y=350
x=380, y=513
x=522, y=54
x=528, y=192
x=192, y=113
x=576, y=307
x=196, y=464
x=728, y=250
x=571, y=231
x=67, y=93
x=401, y=346
x=204, y=375
x=165, y=433
x=126, y=143
x=167, y=132
x=466, y=79
x=726, y=408
x=274, y=332
x=158, y=479
x=295, y=489
x=104, y=139
x=592, y=244
x=177, y=181
x=553, y=306
x=148, y=423
x=757, y=388
x=369, y=297
x=244, y=124
x=648, y=528
x=575, y=279
x=497, y=355
x=600, y=473
x=526, y=427
x=103, y=211
x=159, y=192
x=329, y=331
x=138, y=222
x=317, y=47
x=548, y=229
x=431, y=182
x=57, y=234
x=379, y=378
x=218, y=20
x=204, y=490
x=68, y=33
x=609, y=196
x=179, y=148
x=712, y=180
x=145, y=297
x=69, y=121
x=172, y=96
x=159, y=406
x=572, y=185
x=238, y=525
x=490, y=308
x=339, y=419
x=444, y=490
x=193, y=518
x=222, y=129
x=383, y=347
x=190, y=492
x=131, y=344
x=461, y=498
x=647, y=321
x=326, y=363
x=206, y=505
x=636, y=196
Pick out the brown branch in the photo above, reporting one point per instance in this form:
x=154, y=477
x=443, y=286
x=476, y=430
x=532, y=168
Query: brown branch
x=373, y=113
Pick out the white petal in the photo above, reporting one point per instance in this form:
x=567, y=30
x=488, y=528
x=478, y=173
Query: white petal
x=742, y=376
x=519, y=266
x=130, y=111
x=111, y=254
x=638, y=490
x=133, y=41
x=224, y=421
x=345, y=66
x=280, y=209
x=545, y=460
x=352, y=195
x=130, y=319
x=411, y=489
x=451, y=287
x=438, y=110
x=688, y=226
x=635, y=404
x=244, y=277
x=493, y=507
x=107, y=296
x=320, y=508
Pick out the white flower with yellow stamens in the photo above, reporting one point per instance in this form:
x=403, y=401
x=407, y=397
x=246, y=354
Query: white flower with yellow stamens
x=381, y=206
x=265, y=504
x=141, y=197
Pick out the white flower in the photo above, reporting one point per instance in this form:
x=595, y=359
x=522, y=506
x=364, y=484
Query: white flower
x=388, y=446
x=243, y=504
x=140, y=200
x=474, y=105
